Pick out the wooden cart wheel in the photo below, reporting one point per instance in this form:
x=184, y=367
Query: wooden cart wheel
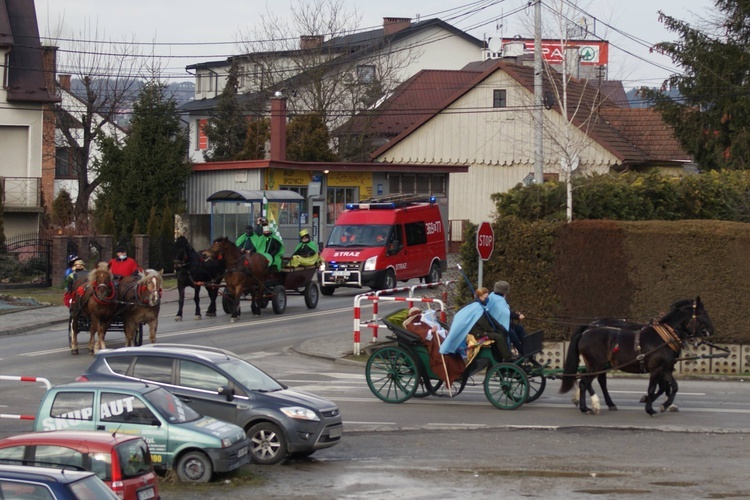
x=278, y=300
x=392, y=374
x=227, y=301
x=312, y=294
x=537, y=379
x=506, y=386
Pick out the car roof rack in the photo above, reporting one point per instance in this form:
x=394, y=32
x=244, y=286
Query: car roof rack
x=392, y=201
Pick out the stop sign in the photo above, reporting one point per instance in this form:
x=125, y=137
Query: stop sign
x=485, y=240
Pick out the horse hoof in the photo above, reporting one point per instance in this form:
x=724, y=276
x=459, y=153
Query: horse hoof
x=74, y=352
x=210, y=315
x=654, y=414
x=198, y=316
x=643, y=399
x=233, y=320
x=613, y=408
x=178, y=318
x=670, y=408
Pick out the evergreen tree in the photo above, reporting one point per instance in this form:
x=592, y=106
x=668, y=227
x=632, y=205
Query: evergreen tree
x=227, y=128
x=307, y=139
x=258, y=134
x=62, y=209
x=151, y=167
x=712, y=117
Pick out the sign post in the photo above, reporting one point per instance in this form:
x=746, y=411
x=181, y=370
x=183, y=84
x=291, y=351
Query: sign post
x=485, y=245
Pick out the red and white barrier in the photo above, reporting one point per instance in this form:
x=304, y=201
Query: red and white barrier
x=375, y=297
x=14, y=378
x=27, y=379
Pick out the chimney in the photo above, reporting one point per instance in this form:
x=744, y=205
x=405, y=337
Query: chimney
x=278, y=127
x=64, y=82
x=393, y=25
x=49, y=62
x=307, y=42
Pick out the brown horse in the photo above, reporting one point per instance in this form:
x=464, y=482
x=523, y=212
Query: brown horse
x=141, y=297
x=95, y=298
x=245, y=273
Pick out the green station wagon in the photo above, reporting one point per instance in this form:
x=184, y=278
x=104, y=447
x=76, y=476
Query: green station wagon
x=179, y=438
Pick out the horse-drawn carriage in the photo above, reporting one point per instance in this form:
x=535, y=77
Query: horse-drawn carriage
x=100, y=304
x=278, y=284
x=396, y=373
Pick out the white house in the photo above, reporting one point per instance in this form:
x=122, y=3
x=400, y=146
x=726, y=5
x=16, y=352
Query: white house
x=23, y=95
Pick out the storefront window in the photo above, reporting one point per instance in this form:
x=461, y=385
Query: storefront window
x=289, y=213
x=336, y=199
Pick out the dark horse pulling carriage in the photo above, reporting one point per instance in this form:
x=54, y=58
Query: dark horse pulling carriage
x=194, y=271
x=395, y=373
x=248, y=274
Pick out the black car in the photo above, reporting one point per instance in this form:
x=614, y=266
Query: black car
x=20, y=481
x=279, y=421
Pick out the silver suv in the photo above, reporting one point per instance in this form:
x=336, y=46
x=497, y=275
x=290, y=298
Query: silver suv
x=279, y=421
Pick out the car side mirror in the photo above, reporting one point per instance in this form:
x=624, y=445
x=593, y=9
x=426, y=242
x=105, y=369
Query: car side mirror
x=155, y=422
x=226, y=391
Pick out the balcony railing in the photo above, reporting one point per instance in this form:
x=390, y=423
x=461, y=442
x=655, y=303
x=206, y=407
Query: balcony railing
x=21, y=192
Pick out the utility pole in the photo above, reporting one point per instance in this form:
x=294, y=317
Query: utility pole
x=538, y=96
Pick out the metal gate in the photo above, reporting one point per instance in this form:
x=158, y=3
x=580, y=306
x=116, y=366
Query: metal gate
x=26, y=261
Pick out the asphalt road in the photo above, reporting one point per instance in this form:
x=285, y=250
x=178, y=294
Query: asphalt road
x=441, y=447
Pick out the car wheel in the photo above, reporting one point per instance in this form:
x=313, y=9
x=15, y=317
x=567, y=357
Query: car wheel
x=268, y=444
x=327, y=290
x=389, y=280
x=194, y=467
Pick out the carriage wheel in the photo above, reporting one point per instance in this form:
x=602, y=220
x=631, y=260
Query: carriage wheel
x=278, y=300
x=227, y=301
x=537, y=379
x=312, y=294
x=327, y=290
x=392, y=374
x=506, y=386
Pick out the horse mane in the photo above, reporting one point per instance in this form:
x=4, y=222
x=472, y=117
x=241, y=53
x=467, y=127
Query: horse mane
x=101, y=267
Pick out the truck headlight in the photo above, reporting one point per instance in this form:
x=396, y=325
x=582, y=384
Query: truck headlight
x=300, y=413
x=371, y=263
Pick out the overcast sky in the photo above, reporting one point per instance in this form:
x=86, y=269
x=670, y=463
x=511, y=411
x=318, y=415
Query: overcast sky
x=177, y=25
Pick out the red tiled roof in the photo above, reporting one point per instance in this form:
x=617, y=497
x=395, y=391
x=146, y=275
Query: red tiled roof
x=645, y=128
x=419, y=97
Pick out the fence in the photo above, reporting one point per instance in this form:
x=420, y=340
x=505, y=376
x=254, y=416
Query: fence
x=26, y=260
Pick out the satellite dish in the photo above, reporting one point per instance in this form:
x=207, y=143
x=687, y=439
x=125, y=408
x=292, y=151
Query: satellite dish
x=495, y=44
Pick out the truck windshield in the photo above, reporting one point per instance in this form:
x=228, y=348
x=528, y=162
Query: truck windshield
x=371, y=235
x=170, y=407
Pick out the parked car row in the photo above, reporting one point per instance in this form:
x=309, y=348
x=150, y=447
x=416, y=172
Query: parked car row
x=191, y=409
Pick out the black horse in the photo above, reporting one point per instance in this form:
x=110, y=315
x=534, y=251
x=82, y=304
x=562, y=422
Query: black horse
x=193, y=271
x=652, y=349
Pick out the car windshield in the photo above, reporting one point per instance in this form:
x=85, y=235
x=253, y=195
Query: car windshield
x=371, y=235
x=249, y=377
x=170, y=407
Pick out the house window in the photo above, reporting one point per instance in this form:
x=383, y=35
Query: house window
x=366, y=73
x=67, y=161
x=336, y=199
x=499, y=98
x=421, y=184
x=201, y=141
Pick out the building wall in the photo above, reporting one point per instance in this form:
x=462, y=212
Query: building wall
x=201, y=185
x=497, y=143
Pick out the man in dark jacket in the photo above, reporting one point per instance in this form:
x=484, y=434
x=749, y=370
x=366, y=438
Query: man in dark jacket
x=516, y=332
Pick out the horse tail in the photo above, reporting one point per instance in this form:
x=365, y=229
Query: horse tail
x=570, y=368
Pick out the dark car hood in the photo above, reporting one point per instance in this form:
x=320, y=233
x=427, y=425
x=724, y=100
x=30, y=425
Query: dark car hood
x=288, y=397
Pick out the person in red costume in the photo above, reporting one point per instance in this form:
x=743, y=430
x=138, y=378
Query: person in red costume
x=122, y=265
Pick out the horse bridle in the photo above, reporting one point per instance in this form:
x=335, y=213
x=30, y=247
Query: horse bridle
x=153, y=296
x=109, y=288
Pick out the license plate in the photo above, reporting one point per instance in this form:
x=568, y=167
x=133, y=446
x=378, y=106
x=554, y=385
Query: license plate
x=345, y=274
x=146, y=494
x=242, y=452
x=336, y=432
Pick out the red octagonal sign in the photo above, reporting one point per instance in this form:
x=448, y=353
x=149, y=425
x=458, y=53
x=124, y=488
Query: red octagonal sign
x=485, y=240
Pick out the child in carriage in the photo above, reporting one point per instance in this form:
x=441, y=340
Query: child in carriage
x=77, y=271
